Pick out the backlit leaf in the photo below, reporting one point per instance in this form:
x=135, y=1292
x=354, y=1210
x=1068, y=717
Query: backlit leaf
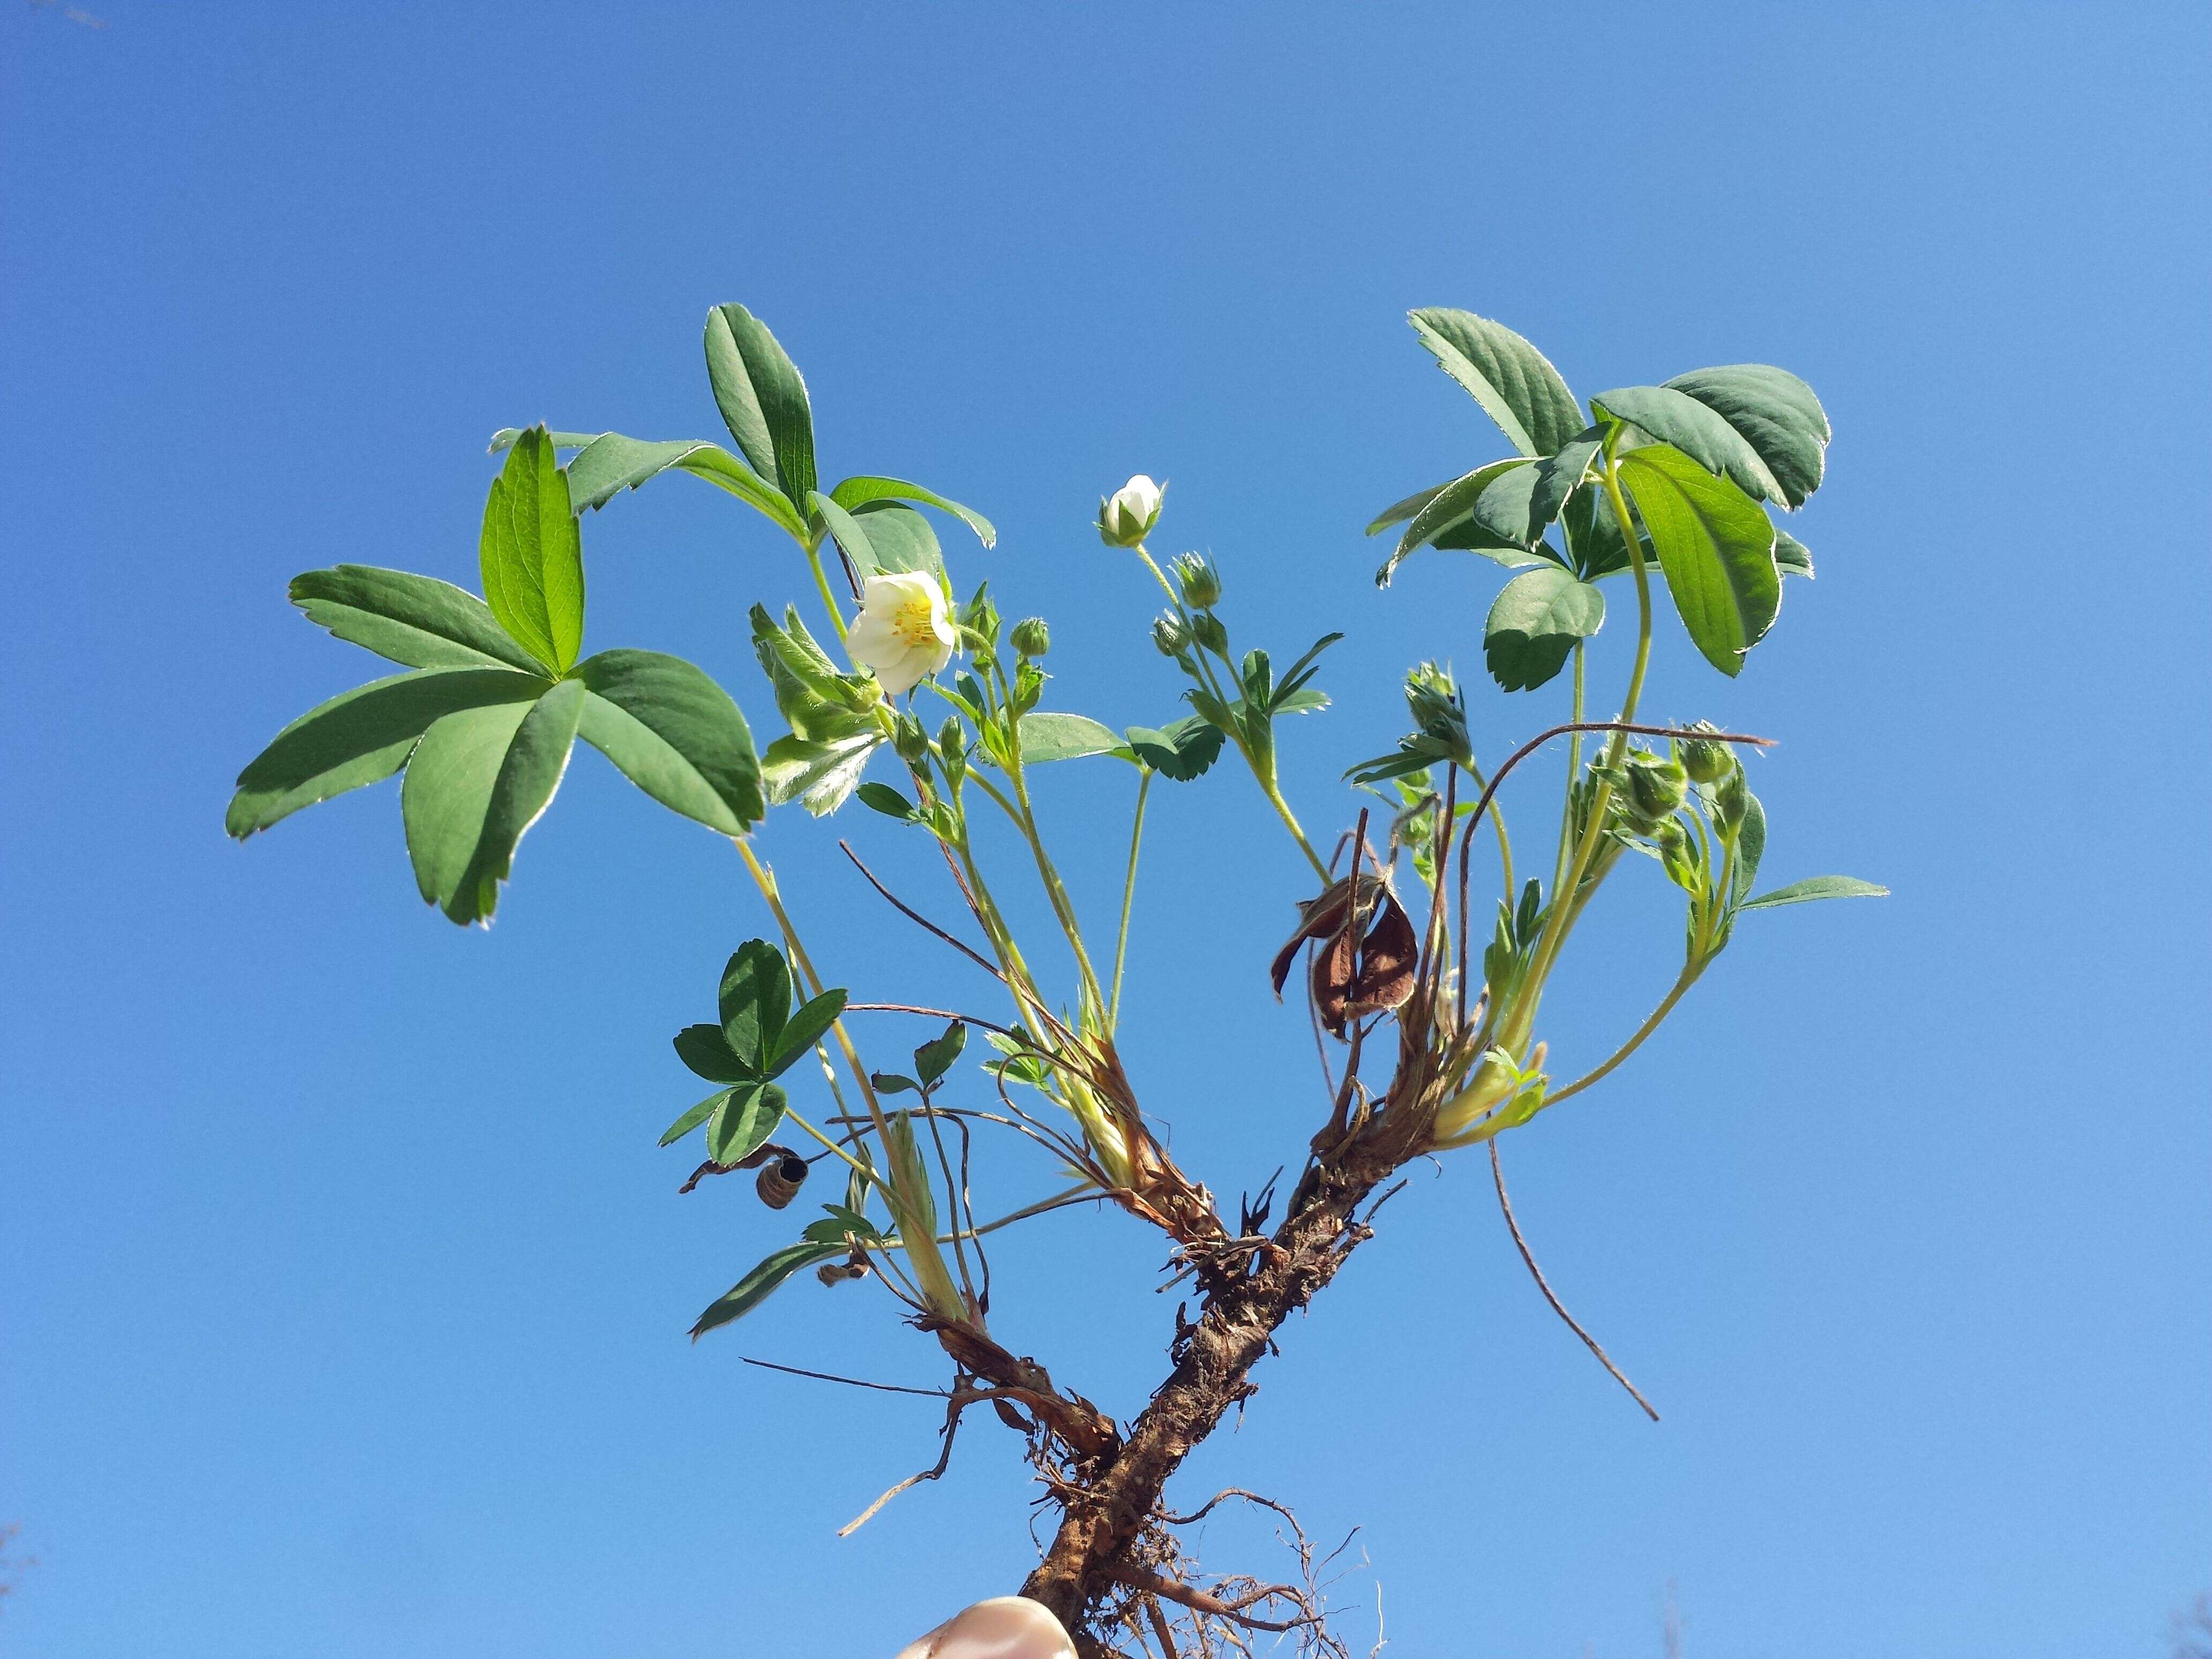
x=1510, y=378
x=532, y=556
x=416, y=620
x=1717, y=547
x=675, y=734
x=763, y=399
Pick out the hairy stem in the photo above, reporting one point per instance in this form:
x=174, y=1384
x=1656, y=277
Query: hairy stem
x=1128, y=896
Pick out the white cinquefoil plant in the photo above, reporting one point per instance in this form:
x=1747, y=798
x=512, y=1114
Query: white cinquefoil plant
x=1428, y=997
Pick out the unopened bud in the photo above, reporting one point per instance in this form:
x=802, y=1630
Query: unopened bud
x=1170, y=636
x=1205, y=627
x=1657, y=786
x=1201, y=582
x=1732, y=797
x=907, y=737
x=1127, y=517
x=1433, y=700
x=1705, y=761
x=1031, y=637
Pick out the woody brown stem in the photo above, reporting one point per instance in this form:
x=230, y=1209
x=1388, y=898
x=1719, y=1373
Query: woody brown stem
x=1107, y=1516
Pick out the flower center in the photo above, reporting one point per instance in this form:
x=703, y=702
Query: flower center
x=912, y=624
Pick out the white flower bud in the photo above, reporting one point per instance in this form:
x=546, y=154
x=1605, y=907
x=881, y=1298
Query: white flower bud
x=1128, y=517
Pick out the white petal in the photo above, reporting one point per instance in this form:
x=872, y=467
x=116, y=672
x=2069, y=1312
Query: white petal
x=1005, y=1627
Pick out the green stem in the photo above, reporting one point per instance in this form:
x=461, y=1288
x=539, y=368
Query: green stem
x=1574, y=774
x=829, y=594
x=1289, y=822
x=1593, y=834
x=1687, y=978
x=1128, y=894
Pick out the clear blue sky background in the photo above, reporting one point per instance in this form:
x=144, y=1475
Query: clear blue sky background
x=346, y=1291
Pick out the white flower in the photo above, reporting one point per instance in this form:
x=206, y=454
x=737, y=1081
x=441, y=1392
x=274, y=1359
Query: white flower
x=1128, y=518
x=1005, y=1627
x=904, y=632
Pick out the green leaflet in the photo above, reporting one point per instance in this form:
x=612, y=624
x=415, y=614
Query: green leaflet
x=1053, y=737
x=706, y=1052
x=1512, y=380
x=934, y=1058
x=741, y=1125
x=903, y=539
x=1446, y=506
x=819, y=775
x=362, y=737
x=1181, y=750
x=804, y=1029
x=477, y=781
x=416, y=620
x=1675, y=417
x=693, y=1118
x=675, y=734
x=1534, y=623
x=762, y=1282
x=755, y=1002
x=1717, y=547
x=856, y=492
x=763, y=399
x=532, y=556
x=1815, y=887
x=1792, y=557
x=1776, y=413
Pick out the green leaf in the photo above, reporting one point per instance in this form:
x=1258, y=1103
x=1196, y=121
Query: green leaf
x=1594, y=539
x=613, y=463
x=1676, y=418
x=1555, y=477
x=903, y=539
x=762, y=1282
x=805, y=1030
x=1447, y=507
x=1715, y=546
x=361, y=738
x=744, y=1121
x=675, y=734
x=1306, y=700
x=1299, y=673
x=819, y=776
x=697, y=1116
x=842, y=1222
x=882, y=798
x=1052, y=737
x=819, y=702
x=706, y=1051
x=1776, y=413
x=755, y=1002
x=1399, y=512
x=1815, y=887
x=1534, y=623
x=894, y=1083
x=416, y=620
x=478, y=779
x=763, y=399
x=856, y=492
x=935, y=1057
x=506, y=437
x=531, y=555
x=1792, y=557
x=1512, y=380
x=1181, y=750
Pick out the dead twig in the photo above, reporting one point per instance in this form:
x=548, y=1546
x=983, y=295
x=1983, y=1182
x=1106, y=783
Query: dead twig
x=849, y=1381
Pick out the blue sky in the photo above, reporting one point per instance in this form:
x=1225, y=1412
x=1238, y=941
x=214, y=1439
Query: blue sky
x=347, y=1291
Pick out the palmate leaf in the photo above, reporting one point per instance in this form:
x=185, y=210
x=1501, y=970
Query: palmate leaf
x=532, y=556
x=476, y=783
x=762, y=1282
x=763, y=400
x=1534, y=623
x=362, y=737
x=1717, y=547
x=675, y=734
x=416, y=620
x=1513, y=381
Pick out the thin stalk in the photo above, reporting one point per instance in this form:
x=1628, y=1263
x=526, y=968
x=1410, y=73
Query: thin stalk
x=1128, y=895
x=1547, y=948
x=764, y=879
x=1687, y=978
x=1574, y=773
x=829, y=594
